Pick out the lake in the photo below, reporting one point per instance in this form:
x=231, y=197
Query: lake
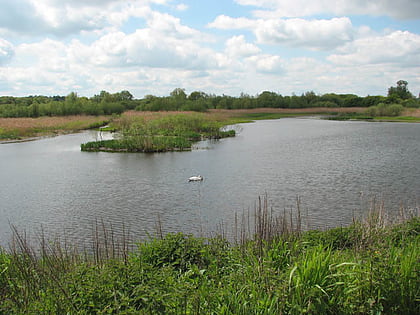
x=335, y=167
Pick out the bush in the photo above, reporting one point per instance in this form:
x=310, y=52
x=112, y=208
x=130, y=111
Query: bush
x=179, y=251
x=383, y=109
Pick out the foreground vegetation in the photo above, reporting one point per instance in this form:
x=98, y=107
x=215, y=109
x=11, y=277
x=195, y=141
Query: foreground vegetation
x=272, y=268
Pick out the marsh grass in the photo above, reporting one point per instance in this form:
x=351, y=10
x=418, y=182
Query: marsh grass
x=274, y=266
x=175, y=132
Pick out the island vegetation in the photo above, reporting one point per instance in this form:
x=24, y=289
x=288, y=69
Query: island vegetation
x=175, y=132
x=271, y=266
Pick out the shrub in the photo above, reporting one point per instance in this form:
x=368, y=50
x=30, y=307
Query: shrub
x=383, y=109
x=179, y=251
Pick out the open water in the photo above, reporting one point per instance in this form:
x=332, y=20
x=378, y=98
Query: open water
x=336, y=168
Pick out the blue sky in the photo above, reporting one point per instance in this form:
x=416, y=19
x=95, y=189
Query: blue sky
x=50, y=47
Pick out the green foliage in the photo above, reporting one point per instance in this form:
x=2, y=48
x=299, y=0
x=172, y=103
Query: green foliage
x=178, y=251
x=72, y=104
x=400, y=91
x=411, y=103
x=382, y=109
x=335, y=238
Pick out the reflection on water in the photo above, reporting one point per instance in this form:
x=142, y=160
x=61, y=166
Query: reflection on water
x=335, y=167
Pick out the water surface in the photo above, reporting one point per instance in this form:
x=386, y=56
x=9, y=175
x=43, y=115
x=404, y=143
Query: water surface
x=335, y=168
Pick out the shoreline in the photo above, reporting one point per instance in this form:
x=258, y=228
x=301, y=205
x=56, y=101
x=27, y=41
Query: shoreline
x=16, y=130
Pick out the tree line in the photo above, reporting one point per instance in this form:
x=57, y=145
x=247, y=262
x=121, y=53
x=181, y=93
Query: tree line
x=106, y=103
x=34, y=106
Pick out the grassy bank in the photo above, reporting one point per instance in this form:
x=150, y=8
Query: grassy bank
x=369, y=267
x=172, y=132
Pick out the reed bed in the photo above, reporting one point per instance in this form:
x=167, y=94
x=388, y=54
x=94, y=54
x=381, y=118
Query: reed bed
x=273, y=266
x=21, y=128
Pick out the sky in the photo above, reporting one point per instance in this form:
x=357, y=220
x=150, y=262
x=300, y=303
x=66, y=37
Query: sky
x=151, y=47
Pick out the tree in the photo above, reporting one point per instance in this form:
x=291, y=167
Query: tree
x=179, y=93
x=400, y=91
x=196, y=95
x=124, y=96
x=267, y=99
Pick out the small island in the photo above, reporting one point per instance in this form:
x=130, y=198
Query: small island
x=176, y=132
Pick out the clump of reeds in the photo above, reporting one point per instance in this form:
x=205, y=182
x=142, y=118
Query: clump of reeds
x=106, y=244
x=263, y=225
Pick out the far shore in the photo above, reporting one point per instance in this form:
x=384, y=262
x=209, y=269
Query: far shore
x=29, y=129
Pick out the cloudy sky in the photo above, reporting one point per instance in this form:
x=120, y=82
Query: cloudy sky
x=50, y=47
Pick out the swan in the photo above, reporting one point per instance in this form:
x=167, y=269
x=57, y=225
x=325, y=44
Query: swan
x=195, y=178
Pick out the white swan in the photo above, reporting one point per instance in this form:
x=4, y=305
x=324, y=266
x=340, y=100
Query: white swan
x=195, y=178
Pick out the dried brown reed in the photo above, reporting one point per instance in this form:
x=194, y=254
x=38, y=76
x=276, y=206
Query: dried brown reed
x=49, y=122
x=378, y=218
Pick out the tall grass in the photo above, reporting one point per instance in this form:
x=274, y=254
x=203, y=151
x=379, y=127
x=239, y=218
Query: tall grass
x=273, y=266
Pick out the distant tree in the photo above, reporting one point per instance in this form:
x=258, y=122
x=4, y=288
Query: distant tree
x=125, y=96
x=179, y=93
x=267, y=99
x=400, y=91
x=372, y=100
x=34, y=109
x=310, y=97
x=71, y=98
x=196, y=95
x=351, y=100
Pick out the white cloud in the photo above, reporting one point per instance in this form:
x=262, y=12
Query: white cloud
x=224, y=22
x=237, y=47
x=313, y=34
x=165, y=43
x=400, y=48
x=402, y=9
x=267, y=63
x=182, y=7
x=316, y=34
x=58, y=46
x=169, y=25
x=65, y=17
x=6, y=51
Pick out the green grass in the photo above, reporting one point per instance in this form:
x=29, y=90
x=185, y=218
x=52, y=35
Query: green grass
x=7, y=134
x=365, y=268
